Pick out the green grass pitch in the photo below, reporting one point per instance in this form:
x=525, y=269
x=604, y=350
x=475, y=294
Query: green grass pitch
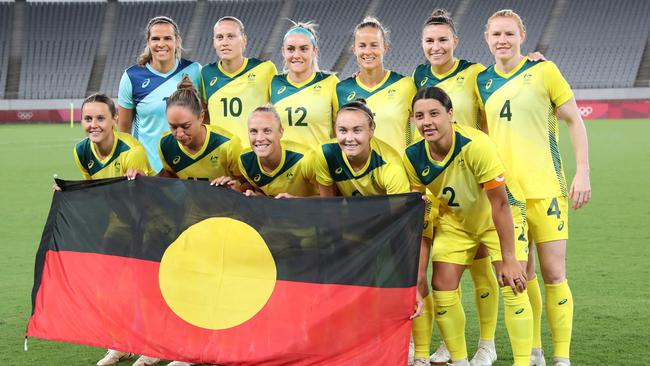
x=607, y=259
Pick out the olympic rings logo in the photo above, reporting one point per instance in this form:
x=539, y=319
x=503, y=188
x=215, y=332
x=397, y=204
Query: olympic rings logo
x=586, y=111
x=25, y=116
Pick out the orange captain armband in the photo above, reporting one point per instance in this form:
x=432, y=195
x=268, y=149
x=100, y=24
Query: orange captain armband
x=494, y=183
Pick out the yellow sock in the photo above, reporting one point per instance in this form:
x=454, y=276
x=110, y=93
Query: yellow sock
x=423, y=328
x=559, y=311
x=535, y=296
x=519, y=322
x=486, y=290
x=450, y=318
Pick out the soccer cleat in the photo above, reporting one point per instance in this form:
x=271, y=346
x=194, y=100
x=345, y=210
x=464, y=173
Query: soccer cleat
x=146, y=361
x=537, y=357
x=421, y=361
x=485, y=355
x=411, y=358
x=112, y=357
x=441, y=356
x=558, y=361
x=459, y=363
x=179, y=363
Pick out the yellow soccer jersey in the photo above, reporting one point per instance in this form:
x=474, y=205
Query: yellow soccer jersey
x=390, y=101
x=458, y=181
x=383, y=173
x=294, y=175
x=306, y=109
x=127, y=153
x=521, y=113
x=217, y=157
x=231, y=98
x=459, y=84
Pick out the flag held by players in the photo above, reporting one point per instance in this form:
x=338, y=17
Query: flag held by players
x=182, y=270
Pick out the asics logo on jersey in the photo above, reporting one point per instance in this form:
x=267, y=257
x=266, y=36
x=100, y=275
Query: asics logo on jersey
x=442, y=312
x=563, y=301
x=519, y=311
x=560, y=226
x=484, y=295
x=176, y=160
x=424, y=81
x=257, y=178
x=351, y=96
x=488, y=84
x=213, y=81
x=145, y=83
x=91, y=164
x=281, y=90
x=425, y=172
x=338, y=170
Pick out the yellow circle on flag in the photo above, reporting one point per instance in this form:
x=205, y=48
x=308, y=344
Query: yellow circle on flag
x=218, y=274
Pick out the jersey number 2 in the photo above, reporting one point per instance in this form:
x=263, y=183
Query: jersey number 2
x=452, y=195
x=300, y=112
x=505, y=111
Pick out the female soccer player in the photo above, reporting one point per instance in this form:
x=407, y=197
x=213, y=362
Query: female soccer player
x=105, y=153
x=191, y=149
x=235, y=85
x=387, y=93
x=144, y=86
x=271, y=166
x=303, y=95
x=461, y=168
x=521, y=100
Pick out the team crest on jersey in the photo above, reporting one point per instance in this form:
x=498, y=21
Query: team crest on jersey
x=460, y=79
x=290, y=176
x=425, y=172
x=251, y=78
x=117, y=167
x=145, y=83
x=488, y=85
x=424, y=81
x=213, y=81
x=461, y=162
x=391, y=92
x=176, y=160
x=351, y=96
x=527, y=78
x=282, y=90
x=91, y=164
x=257, y=178
x=317, y=89
x=214, y=160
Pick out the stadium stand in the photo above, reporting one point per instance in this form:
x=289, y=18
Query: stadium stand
x=61, y=45
x=600, y=44
x=129, y=35
x=256, y=16
x=6, y=25
x=334, y=27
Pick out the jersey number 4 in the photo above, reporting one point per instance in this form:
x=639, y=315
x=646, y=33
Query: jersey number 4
x=505, y=111
x=295, y=117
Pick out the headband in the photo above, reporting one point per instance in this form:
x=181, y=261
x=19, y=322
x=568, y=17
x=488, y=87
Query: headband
x=303, y=31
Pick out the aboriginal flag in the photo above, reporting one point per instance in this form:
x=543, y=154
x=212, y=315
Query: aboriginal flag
x=182, y=270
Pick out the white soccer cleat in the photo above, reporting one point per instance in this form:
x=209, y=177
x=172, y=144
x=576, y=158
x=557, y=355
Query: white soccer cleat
x=537, y=357
x=112, y=357
x=441, y=356
x=557, y=361
x=485, y=355
x=421, y=361
x=146, y=361
x=179, y=363
x=459, y=363
x=411, y=358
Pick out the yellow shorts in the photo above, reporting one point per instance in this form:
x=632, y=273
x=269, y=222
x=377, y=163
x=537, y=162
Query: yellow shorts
x=451, y=245
x=548, y=219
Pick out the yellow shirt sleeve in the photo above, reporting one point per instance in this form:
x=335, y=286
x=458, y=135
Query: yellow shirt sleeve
x=558, y=88
x=137, y=159
x=484, y=161
x=84, y=172
x=395, y=179
x=233, y=152
x=320, y=170
x=412, y=177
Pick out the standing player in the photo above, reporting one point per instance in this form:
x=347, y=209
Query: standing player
x=145, y=86
x=521, y=100
x=387, y=93
x=105, y=153
x=303, y=95
x=235, y=85
x=461, y=168
x=273, y=167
